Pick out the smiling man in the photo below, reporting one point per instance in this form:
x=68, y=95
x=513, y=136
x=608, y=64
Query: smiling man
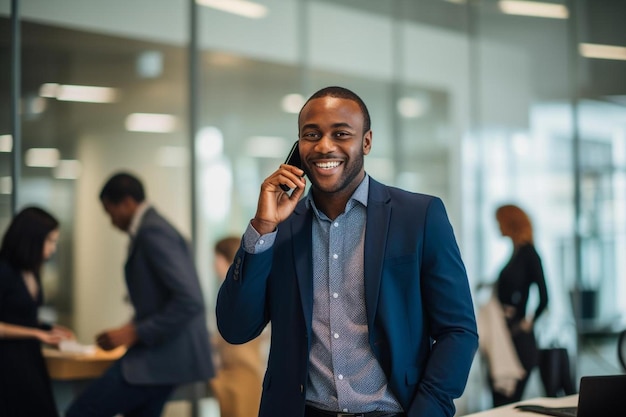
x=362, y=283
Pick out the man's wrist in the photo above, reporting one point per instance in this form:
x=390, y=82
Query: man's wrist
x=262, y=226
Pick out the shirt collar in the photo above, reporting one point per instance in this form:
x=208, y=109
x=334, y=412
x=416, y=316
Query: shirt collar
x=137, y=217
x=359, y=195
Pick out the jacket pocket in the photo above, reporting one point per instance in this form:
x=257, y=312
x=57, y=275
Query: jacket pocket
x=401, y=260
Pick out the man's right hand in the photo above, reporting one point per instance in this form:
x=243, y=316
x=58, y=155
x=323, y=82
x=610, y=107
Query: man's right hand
x=275, y=205
x=113, y=338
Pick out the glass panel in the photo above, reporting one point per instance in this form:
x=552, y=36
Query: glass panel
x=6, y=139
x=245, y=84
x=520, y=152
x=522, y=149
x=75, y=137
x=603, y=221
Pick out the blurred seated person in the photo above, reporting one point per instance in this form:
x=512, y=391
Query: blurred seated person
x=237, y=384
x=25, y=389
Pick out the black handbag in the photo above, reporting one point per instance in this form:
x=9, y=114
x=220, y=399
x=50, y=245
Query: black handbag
x=554, y=368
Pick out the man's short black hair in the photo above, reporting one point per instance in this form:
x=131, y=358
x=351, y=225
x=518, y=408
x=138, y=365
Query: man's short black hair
x=342, y=92
x=120, y=186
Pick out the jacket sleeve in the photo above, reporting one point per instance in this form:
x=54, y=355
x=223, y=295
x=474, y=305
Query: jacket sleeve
x=241, y=301
x=449, y=314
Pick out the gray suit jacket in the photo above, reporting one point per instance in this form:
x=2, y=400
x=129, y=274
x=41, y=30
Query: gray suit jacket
x=165, y=292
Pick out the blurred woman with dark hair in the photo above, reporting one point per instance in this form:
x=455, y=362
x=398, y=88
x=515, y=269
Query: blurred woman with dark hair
x=522, y=271
x=25, y=389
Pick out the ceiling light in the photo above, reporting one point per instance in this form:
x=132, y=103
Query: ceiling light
x=209, y=143
x=534, y=8
x=68, y=169
x=6, y=143
x=413, y=107
x=80, y=93
x=42, y=157
x=6, y=185
x=239, y=7
x=292, y=103
x=49, y=90
x=149, y=64
x=599, y=51
x=150, y=122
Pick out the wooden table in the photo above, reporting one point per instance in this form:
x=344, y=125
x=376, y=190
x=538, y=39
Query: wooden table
x=71, y=373
x=65, y=366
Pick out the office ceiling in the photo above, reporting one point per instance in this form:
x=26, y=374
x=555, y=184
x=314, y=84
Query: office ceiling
x=53, y=54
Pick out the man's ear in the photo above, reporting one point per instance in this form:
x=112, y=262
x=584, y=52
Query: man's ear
x=129, y=204
x=367, y=142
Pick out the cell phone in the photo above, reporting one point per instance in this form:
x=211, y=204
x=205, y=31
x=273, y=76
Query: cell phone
x=293, y=159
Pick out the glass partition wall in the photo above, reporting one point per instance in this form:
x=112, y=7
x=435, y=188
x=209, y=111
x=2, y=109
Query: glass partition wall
x=94, y=102
x=475, y=102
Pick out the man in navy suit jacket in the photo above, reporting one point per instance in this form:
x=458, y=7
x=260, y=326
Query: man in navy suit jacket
x=167, y=339
x=363, y=284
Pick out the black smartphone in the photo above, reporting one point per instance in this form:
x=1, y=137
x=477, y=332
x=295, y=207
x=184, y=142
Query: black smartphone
x=293, y=159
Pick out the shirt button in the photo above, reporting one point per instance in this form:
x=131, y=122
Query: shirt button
x=261, y=242
x=335, y=256
x=340, y=376
x=335, y=295
x=336, y=335
x=336, y=224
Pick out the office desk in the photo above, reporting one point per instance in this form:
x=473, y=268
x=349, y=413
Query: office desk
x=64, y=366
x=510, y=411
x=71, y=373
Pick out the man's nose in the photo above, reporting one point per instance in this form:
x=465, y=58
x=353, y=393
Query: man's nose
x=325, y=144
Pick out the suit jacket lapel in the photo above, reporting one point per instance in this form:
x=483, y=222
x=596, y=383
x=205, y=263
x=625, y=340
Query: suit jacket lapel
x=303, y=257
x=377, y=225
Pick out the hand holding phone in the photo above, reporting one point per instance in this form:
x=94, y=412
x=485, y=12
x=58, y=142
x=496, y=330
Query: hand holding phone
x=293, y=159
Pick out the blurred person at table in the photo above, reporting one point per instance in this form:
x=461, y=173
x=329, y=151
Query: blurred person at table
x=237, y=384
x=522, y=271
x=25, y=389
x=167, y=339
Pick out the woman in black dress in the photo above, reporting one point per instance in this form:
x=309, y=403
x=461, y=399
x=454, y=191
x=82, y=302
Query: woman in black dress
x=25, y=389
x=523, y=270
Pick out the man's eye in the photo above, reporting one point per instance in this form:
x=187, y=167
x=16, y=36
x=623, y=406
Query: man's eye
x=310, y=135
x=342, y=134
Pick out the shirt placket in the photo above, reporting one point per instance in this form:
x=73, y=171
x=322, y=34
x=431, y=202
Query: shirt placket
x=337, y=316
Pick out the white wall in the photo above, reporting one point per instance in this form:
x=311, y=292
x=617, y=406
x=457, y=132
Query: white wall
x=100, y=253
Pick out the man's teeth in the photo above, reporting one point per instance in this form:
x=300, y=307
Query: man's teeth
x=327, y=165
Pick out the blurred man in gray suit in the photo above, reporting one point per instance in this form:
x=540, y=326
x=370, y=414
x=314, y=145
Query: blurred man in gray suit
x=167, y=339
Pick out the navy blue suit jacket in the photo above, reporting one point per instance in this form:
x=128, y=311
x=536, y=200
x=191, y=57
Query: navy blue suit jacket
x=420, y=314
